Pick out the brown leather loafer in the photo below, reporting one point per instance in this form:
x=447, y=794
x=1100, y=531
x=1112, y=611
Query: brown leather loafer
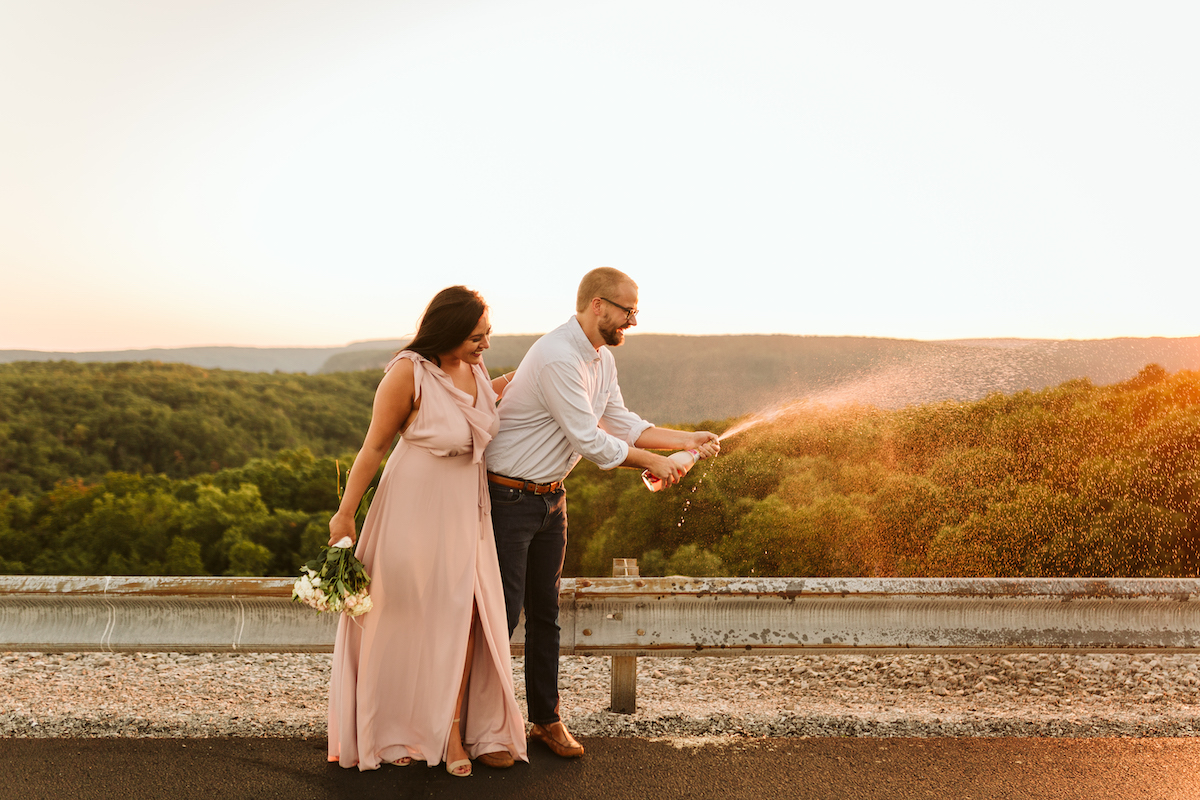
x=501, y=759
x=558, y=739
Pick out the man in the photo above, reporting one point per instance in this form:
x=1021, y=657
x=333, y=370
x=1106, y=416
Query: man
x=561, y=404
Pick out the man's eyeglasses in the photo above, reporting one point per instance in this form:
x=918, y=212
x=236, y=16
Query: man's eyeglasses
x=630, y=313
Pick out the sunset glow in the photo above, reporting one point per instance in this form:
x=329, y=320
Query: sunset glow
x=262, y=173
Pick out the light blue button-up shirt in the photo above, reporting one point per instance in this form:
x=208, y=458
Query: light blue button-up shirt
x=563, y=404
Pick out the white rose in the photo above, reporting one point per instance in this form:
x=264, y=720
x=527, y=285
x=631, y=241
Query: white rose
x=362, y=604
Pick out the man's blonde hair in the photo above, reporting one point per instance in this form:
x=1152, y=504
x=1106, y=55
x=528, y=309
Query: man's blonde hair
x=600, y=282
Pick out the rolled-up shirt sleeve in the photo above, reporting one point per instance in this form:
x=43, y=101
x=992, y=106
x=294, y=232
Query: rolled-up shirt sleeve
x=566, y=398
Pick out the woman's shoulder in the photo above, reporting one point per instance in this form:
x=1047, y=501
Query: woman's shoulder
x=405, y=359
x=400, y=374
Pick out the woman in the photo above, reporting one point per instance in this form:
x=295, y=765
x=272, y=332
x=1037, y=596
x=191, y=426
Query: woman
x=426, y=674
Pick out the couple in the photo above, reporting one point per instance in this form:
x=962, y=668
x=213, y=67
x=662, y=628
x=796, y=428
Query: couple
x=455, y=549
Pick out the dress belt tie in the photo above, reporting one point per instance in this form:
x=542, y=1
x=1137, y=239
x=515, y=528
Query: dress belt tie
x=485, y=498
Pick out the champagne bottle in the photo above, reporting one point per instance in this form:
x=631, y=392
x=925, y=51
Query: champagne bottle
x=686, y=459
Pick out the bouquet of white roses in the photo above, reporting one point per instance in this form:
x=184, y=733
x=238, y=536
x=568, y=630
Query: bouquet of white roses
x=334, y=581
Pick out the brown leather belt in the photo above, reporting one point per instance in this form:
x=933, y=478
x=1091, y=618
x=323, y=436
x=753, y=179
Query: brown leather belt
x=525, y=486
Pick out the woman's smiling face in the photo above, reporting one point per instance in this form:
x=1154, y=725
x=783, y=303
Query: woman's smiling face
x=471, y=350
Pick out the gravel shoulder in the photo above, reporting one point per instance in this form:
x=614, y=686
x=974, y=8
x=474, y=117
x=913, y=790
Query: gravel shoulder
x=222, y=694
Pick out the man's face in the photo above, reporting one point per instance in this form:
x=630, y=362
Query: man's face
x=615, y=321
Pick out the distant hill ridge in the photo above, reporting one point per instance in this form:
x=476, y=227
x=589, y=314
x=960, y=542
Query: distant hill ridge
x=245, y=359
x=678, y=379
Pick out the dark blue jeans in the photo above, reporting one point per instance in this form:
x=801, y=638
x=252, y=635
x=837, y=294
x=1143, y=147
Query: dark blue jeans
x=531, y=542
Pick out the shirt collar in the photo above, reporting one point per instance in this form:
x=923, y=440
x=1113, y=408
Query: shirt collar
x=580, y=340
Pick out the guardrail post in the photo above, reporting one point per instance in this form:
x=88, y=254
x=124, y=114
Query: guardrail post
x=623, y=692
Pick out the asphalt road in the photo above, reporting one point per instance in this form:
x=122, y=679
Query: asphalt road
x=614, y=769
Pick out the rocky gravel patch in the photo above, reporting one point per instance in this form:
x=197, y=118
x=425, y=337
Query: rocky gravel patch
x=257, y=694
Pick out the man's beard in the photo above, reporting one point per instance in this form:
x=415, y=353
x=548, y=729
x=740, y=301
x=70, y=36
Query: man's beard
x=612, y=336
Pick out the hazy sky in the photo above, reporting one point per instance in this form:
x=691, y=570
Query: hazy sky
x=281, y=172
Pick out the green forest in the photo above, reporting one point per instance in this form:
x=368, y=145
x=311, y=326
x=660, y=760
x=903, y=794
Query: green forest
x=63, y=420
x=146, y=468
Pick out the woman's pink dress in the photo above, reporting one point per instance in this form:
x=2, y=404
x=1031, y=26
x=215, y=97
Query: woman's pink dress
x=427, y=544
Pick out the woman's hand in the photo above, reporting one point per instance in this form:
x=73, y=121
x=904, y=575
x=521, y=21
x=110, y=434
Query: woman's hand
x=340, y=526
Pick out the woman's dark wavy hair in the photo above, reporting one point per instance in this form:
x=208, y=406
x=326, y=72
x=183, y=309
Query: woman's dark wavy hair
x=449, y=319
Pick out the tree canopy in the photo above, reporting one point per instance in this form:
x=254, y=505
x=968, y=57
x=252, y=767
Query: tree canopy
x=64, y=420
x=162, y=469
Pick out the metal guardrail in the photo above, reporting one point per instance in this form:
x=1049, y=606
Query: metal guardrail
x=83, y=614
x=629, y=617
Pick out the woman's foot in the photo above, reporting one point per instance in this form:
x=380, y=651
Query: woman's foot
x=457, y=763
